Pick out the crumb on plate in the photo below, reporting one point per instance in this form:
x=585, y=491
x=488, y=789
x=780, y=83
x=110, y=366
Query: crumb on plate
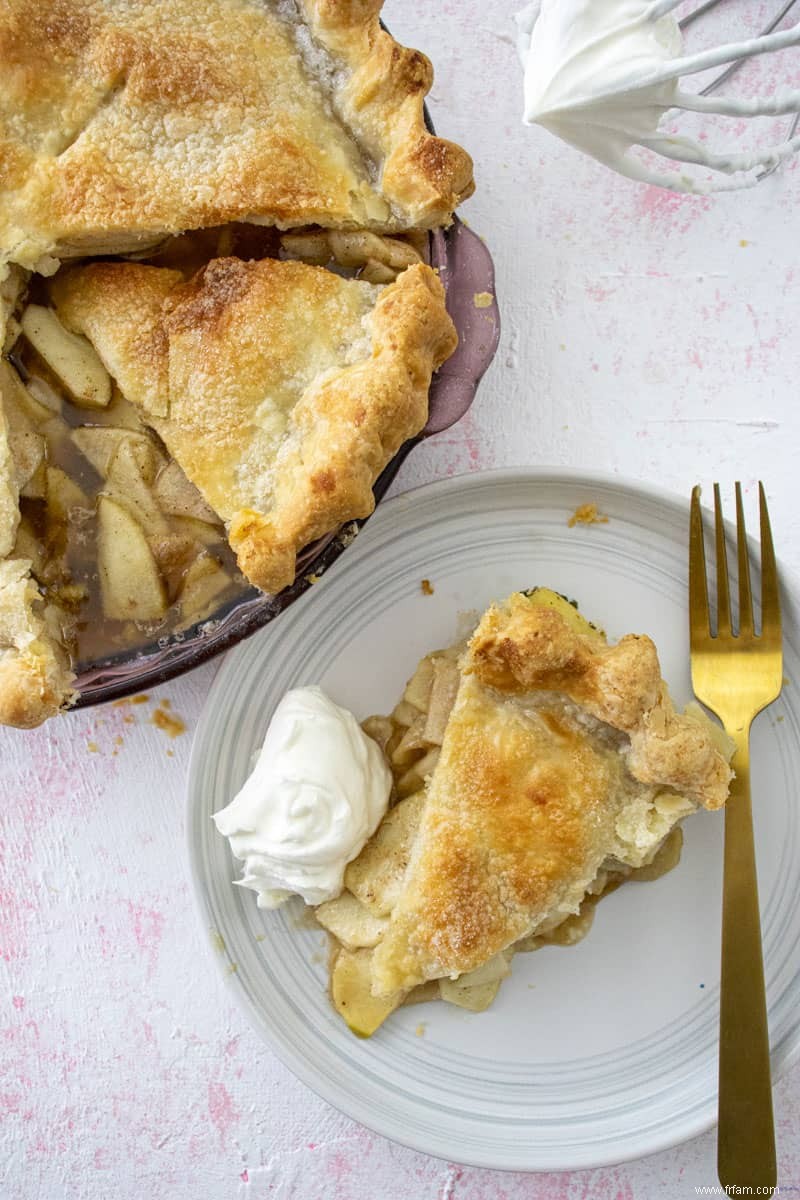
x=427, y=587
x=482, y=299
x=587, y=514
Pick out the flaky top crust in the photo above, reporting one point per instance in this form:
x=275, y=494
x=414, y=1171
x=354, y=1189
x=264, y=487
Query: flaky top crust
x=523, y=808
x=281, y=389
x=120, y=123
x=521, y=647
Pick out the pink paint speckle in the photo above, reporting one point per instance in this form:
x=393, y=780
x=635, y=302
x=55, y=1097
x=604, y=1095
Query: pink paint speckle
x=671, y=209
x=244, y=1176
x=695, y=359
x=148, y=929
x=221, y=1110
x=102, y=1159
x=18, y=1001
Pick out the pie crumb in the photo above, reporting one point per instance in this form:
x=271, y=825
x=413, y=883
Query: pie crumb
x=93, y=747
x=172, y=724
x=427, y=587
x=482, y=299
x=420, y=1030
x=312, y=579
x=587, y=514
x=141, y=699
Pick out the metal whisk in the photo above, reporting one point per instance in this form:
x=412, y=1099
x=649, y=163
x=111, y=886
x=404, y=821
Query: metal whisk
x=603, y=76
x=769, y=41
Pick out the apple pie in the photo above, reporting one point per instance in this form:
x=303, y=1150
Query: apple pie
x=123, y=123
x=536, y=768
x=218, y=319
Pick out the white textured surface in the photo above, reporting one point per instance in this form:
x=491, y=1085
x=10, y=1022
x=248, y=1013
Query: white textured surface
x=641, y=335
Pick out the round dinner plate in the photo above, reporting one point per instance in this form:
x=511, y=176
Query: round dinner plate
x=590, y=1054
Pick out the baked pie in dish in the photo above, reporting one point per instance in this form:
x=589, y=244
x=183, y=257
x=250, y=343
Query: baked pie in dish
x=536, y=768
x=220, y=322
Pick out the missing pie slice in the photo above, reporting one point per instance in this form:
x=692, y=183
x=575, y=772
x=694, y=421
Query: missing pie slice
x=563, y=769
x=122, y=123
x=281, y=389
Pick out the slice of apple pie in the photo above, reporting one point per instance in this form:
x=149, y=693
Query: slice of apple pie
x=281, y=389
x=544, y=766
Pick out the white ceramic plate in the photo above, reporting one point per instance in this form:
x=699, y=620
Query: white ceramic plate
x=590, y=1055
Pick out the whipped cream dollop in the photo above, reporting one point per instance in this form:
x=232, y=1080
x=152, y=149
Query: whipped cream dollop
x=601, y=75
x=318, y=791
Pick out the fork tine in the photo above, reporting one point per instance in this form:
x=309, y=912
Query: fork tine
x=770, y=599
x=723, y=589
x=699, y=627
x=745, y=593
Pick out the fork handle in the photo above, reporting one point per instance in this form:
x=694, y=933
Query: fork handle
x=746, y=1139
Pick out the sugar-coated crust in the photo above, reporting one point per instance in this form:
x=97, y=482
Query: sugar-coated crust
x=520, y=647
x=526, y=808
x=281, y=389
x=383, y=98
x=347, y=427
x=122, y=123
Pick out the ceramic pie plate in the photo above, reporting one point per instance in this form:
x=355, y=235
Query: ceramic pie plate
x=591, y=1054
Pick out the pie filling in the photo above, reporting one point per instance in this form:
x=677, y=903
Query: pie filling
x=643, y=842
x=122, y=545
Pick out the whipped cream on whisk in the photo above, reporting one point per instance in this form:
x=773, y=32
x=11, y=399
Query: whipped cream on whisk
x=602, y=74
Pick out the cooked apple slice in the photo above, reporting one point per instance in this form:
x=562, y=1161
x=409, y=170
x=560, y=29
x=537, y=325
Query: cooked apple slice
x=444, y=685
x=28, y=545
x=202, y=585
x=123, y=414
x=69, y=356
x=209, y=535
x=27, y=454
x=351, y=990
x=350, y=922
x=100, y=443
x=179, y=497
x=546, y=598
x=476, y=989
x=418, y=688
x=22, y=410
x=376, y=876
x=413, y=779
x=129, y=488
x=175, y=553
x=131, y=586
x=63, y=495
x=42, y=399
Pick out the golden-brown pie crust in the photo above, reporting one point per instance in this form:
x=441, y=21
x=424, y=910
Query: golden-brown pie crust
x=523, y=808
x=281, y=389
x=122, y=123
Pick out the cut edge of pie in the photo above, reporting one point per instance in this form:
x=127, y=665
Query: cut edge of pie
x=35, y=679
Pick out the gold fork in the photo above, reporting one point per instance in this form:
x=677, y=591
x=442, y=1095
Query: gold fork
x=736, y=675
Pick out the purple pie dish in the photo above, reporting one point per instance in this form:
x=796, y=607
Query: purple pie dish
x=466, y=270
